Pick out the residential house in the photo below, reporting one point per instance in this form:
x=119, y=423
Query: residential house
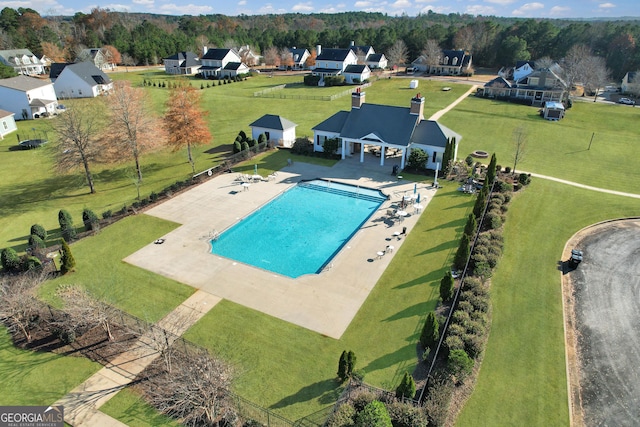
x=221, y=63
x=23, y=61
x=520, y=70
x=7, y=123
x=334, y=62
x=451, y=63
x=248, y=56
x=368, y=56
x=79, y=80
x=27, y=97
x=186, y=63
x=300, y=57
x=631, y=83
x=385, y=130
x=540, y=86
x=98, y=57
x=377, y=61
x=278, y=130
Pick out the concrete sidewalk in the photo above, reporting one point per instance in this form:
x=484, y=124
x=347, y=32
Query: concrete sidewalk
x=82, y=403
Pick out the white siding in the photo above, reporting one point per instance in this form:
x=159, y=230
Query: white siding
x=69, y=85
x=7, y=125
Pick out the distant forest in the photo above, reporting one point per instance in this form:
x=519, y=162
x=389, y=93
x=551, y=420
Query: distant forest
x=144, y=39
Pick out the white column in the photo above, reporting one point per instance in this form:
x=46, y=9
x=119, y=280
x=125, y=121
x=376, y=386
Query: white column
x=382, y=148
x=361, y=152
x=344, y=149
x=402, y=158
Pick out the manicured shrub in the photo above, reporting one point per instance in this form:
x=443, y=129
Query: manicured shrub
x=478, y=317
x=30, y=263
x=472, y=284
x=10, y=260
x=90, y=220
x=479, y=302
x=302, y=146
x=373, y=415
x=38, y=230
x=66, y=225
x=446, y=287
x=454, y=342
x=498, y=196
x=459, y=364
x=465, y=306
x=461, y=318
x=524, y=179
x=476, y=327
x=407, y=415
x=107, y=214
x=504, y=187
x=492, y=260
x=493, y=220
x=407, y=387
x=417, y=159
x=153, y=196
x=346, y=365
x=473, y=345
x=67, y=261
x=477, y=258
x=344, y=416
x=262, y=138
x=362, y=399
x=507, y=169
x=480, y=249
x=456, y=329
x=244, y=145
x=469, y=160
x=430, y=331
x=36, y=244
x=483, y=269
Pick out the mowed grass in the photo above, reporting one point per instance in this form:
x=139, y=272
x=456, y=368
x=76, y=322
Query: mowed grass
x=523, y=376
x=559, y=149
x=32, y=378
x=130, y=408
x=292, y=370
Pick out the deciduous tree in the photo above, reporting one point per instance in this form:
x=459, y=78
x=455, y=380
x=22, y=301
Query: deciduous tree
x=79, y=143
x=19, y=304
x=83, y=309
x=132, y=127
x=184, y=121
x=398, y=53
x=432, y=53
x=519, y=146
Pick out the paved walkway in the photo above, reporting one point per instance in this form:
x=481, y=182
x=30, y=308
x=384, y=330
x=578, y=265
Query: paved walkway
x=461, y=98
x=82, y=403
x=588, y=187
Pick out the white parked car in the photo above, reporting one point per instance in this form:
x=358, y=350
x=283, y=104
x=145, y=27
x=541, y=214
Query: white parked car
x=626, y=101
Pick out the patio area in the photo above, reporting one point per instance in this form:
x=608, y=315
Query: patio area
x=325, y=302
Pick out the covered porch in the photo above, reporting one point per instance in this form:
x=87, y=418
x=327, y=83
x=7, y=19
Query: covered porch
x=378, y=151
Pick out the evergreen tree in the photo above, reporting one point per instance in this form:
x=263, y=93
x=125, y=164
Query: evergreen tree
x=67, y=262
x=351, y=363
x=446, y=287
x=407, y=387
x=343, y=366
x=481, y=201
x=36, y=244
x=66, y=225
x=430, y=331
x=462, y=255
x=90, y=220
x=470, y=228
x=375, y=414
x=491, y=170
x=39, y=231
x=9, y=260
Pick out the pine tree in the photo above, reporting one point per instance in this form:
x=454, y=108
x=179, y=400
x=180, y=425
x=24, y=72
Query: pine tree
x=343, y=367
x=351, y=363
x=478, y=208
x=430, y=331
x=407, y=387
x=470, y=228
x=67, y=262
x=446, y=287
x=462, y=255
x=491, y=170
x=66, y=225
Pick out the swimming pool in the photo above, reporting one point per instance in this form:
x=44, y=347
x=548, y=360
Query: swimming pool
x=300, y=231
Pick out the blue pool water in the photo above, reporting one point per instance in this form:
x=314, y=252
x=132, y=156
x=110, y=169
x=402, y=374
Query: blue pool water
x=301, y=230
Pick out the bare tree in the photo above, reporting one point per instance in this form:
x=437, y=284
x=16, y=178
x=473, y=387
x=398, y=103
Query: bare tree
x=128, y=61
x=286, y=58
x=432, y=53
x=85, y=310
x=573, y=63
x=595, y=74
x=79, y=143
x=271, y=56
x=132, y=126
x=196, y=391
x=464, y=38
x=519, y=146
x=200, y=43
x=19, y=305
x=362, y=56
x=398, y=53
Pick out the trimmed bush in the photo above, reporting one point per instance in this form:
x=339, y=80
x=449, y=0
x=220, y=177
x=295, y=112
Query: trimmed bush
x=407, y=415
x=407, y=387
x=38, y=230
x=107, y=214
x=461, y=318
x=504, y=187
x=454, y=342
x=459, y=364
x=466, y=306
x=67, y=262
x=344, y=416
x=373, y=415
x=66, y=225
x=31, y=263
x=90, y=220
x=457, y=330
x=469, y=160
x=36, y=243
x=524, y=179
x=10, y=260
x=473, y=345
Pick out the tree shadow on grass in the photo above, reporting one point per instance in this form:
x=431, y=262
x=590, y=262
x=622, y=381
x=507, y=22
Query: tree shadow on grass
x=445, y=246
x=326, y=391
x=388, y=359
x=432, y=276
x=414, y=310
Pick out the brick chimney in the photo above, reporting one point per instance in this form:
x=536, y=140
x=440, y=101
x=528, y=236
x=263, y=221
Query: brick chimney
x=357, y=99
x=417, y=106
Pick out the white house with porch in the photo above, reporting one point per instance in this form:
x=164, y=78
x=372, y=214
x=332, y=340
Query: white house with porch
x=219, y=63
x=278, y=130
x=7, y=123
x=27, y=97
x=385, y=131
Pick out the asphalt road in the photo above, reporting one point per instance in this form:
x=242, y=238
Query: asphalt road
x=607, y=313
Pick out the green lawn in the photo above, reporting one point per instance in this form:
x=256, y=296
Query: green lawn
x=131, y=409
x=293, y=370
x=32, y=378
x=523, y=378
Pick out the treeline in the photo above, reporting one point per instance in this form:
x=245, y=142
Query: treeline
x=147, y=38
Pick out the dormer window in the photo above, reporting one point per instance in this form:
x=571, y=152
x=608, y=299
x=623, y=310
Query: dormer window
x=455, y=61
x=446, y=59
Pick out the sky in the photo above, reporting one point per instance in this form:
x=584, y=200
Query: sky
x=505, y=8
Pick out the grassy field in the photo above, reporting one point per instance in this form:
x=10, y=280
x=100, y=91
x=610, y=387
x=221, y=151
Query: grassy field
x=293, y=370
x=289, y=369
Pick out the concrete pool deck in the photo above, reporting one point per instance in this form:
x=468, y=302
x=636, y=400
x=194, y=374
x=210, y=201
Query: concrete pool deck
x=325, y=302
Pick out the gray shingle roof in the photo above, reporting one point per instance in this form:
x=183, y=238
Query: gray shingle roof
x=333, y=55
x=430, y=132
x=334, y=123
x=355, y=69
x=89, y=73
x=23, y=83
x=393, y=125
x=271, y=121
x=216, y=54
x=187, y=59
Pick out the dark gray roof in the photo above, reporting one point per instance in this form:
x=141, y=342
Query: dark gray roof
x=23, y=83
x=333, y=55
x=542, y=75
x=355, y=69
x=430, y=132
x=232, y=65
x=333, y=123
x=298, y=53
x=56, y=69
x=519, y=64
x=187, y=59
x=271, y=121
x=363, y=49
x=88, y=72
x=326, y=70
x=498, y=82
x=375, y=57
x=393, y=125
x=4, y=113
x=9, y=54
x=461, y=55
x=216, y=54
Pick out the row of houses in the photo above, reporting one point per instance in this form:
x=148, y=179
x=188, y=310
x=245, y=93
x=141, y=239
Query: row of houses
x=24, y=62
